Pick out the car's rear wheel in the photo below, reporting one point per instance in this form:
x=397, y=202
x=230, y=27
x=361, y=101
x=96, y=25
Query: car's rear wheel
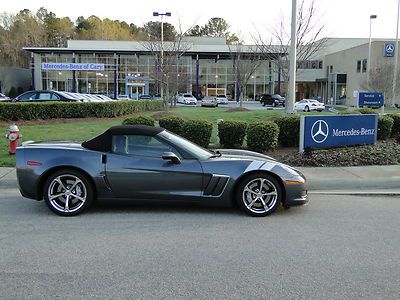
x=259, y=195
x=68, y=192
x=306, y=109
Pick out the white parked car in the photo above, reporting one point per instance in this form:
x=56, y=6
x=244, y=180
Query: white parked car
x=222, y=99
x=309, y=105
x=3, y=97
x=209, y=101
x=186, y=99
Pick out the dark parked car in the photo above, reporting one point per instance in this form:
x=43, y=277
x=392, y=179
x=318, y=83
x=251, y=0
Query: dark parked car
x=151, y=164
x=272, y=100
x=40, y=96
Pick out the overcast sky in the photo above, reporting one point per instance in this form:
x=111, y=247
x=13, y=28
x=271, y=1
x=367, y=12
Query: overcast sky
x=343, y=18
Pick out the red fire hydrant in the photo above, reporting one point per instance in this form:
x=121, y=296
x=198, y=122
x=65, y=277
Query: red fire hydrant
x=13, y=136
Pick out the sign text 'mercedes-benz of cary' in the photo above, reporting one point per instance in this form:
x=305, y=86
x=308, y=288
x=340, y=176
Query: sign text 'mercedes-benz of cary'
x=319, y=132
x=73, y=66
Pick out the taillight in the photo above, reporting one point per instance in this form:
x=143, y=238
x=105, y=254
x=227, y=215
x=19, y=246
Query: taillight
x=33, y=163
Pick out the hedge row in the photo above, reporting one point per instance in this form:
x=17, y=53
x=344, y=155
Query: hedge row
x=53, y=110
x=261, y=136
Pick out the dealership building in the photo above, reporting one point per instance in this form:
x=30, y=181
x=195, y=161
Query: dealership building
x=205, y=67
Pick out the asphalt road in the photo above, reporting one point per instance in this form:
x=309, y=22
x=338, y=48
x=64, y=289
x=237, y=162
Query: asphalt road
x=337, y=247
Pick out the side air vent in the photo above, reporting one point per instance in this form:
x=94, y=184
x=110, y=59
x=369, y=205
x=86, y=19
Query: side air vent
x=216, y=185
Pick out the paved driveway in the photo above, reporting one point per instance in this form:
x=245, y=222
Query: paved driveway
x=338, y=247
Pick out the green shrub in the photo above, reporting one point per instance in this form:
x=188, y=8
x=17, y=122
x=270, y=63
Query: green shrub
x=54, y=110
x=172, y=123
x=262, y=136
x=385, y=125
x=139, y=120
x=396, y=125
x=289, y=131
x=368, y=111
x=349, y=112
x=198, y=131
x=12, y=93
x=231, y=133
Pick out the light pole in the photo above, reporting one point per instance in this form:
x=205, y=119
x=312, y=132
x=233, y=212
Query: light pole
x=371, y=17
x=106, y=83
x=396, y=55
x=254, y=88
x=293, y=62
x=216, y=84
x=167, y=14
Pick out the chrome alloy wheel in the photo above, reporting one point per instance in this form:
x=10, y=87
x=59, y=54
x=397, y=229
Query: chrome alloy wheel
x=260, y=195
x=67, y=193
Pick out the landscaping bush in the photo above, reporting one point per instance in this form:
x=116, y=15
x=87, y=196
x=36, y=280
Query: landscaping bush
x=262, y=136
x=289, y=131
x=368, y=111
x=172, y=123
x=54, y=110
x=349, y=112
x=396, y=125
x=139, y=120
x=385, y=125
x=198, y=131
x=231, y=133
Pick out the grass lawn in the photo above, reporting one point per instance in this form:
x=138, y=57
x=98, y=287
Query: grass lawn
x=81, y=129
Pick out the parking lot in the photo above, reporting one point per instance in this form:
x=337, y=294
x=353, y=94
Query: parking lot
x=337, y=247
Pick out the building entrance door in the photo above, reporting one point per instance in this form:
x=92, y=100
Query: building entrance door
x=135, y=91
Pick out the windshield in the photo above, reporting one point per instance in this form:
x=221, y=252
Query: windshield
x=187, y=96
x=193, y=149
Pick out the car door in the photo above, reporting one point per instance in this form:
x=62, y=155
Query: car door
x=135, y=169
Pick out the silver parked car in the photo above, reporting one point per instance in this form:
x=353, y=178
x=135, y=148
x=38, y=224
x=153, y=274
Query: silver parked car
x=209, y=101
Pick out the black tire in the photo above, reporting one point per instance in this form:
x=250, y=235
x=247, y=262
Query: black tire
x=72, y=184
x=306, y=108
x=274, y=104
x=251, y=203
x=216, y=105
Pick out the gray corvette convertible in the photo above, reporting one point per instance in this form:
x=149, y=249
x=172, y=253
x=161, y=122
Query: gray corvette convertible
x=151, y=164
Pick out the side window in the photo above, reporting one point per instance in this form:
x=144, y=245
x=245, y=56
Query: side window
x=47, y=96
x=139, y=145
x=27, y=96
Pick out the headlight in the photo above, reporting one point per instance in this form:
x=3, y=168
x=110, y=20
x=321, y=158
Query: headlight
x=290, y=170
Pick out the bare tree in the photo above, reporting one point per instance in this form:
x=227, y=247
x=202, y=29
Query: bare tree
x=167, y=67
x=310, y=41
x=246, y=61
x=381, y=80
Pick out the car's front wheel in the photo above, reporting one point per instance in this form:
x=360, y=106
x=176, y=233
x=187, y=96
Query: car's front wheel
x=306, y=109
x=68, y=192
x=259, y=195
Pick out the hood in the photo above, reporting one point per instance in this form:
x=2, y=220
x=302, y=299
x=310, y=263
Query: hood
x=244, y=154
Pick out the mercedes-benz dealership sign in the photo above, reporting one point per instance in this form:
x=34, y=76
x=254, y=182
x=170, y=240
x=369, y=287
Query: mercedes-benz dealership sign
x=319, y=132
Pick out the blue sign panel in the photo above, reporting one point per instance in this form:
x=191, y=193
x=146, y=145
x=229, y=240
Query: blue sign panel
x=370, y=99
x=319, y=132
x=389, y=50
x=73, y=66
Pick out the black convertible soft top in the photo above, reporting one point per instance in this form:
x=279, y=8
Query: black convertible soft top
x=103, y=141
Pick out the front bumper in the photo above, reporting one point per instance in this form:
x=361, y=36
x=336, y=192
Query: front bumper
x=296, y=194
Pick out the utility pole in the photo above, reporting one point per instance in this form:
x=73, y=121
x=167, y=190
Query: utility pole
x=396, y=55
x=292, y=58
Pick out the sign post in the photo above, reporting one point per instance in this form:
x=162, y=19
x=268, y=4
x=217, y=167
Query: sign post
x=322, y=132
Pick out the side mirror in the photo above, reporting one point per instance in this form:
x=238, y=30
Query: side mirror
x=171, y=157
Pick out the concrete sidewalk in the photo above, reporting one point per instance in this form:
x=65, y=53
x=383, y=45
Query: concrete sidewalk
x=370, y=180
x=374, y=180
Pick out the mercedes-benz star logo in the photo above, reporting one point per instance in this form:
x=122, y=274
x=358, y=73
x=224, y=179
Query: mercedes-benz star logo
x=319, y=131
x=389, y=48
